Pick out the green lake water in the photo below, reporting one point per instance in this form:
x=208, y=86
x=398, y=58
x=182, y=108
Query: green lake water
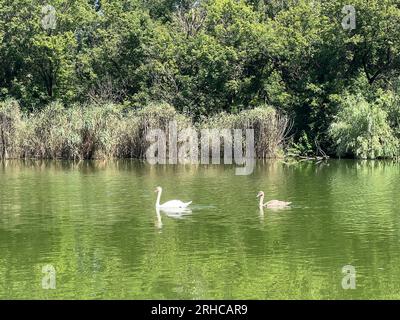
x=96, y=224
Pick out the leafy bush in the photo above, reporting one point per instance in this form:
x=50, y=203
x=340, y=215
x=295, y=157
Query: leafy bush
x=301, y=148
x=361, y=129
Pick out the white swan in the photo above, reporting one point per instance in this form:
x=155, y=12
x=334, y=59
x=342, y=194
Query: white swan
x=272, y=203
x=170, y=204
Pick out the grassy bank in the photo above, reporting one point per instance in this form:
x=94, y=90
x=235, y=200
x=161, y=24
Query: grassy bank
x=109, y=131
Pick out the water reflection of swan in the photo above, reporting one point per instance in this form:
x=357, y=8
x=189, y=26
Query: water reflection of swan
x=158, y=222
x=176, y=213
x=273, y=203
x=173, y=204
x=261, y=215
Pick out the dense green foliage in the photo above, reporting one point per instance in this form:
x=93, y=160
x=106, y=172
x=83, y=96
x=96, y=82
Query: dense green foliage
x=209, y=56
x=363, y=130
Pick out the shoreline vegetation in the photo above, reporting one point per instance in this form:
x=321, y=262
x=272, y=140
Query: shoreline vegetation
x=109, y=131
x=87, y=79
x=106, y=131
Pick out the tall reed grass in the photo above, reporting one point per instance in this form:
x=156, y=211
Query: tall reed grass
x=271, y=128
x=108, y=131
x=11, y=129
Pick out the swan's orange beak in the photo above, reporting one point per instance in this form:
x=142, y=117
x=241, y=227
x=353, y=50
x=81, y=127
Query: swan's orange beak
x=155, y=190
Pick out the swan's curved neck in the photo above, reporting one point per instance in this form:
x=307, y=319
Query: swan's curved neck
x=158, y=198
x=262, y=201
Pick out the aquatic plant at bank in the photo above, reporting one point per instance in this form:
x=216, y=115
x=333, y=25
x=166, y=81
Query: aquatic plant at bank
x=110, y=131
x=10, y=129
x=271, y=128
